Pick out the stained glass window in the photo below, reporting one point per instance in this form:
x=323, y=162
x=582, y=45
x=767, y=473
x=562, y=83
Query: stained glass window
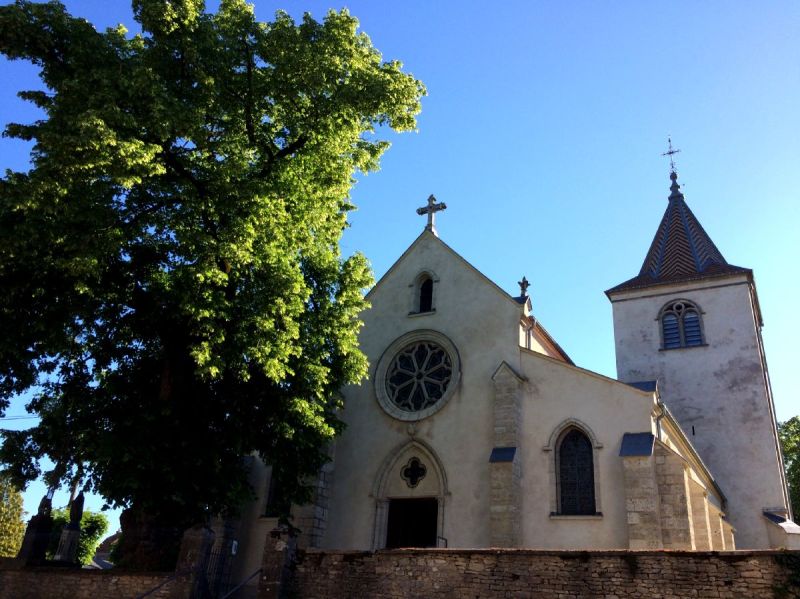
x=575, y=475
x=418, y=376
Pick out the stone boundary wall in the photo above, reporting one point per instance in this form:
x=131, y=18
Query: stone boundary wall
x=63, y=583
x=479, y=574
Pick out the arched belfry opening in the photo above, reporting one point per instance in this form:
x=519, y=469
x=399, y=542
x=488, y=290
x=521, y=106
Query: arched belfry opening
x=426, y=295
x=410, y=491
x=423, y=299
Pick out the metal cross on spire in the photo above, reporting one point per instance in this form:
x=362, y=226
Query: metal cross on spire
x=431, y=209
x=671, y=153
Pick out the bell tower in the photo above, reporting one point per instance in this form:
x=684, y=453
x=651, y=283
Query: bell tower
x=692, y=322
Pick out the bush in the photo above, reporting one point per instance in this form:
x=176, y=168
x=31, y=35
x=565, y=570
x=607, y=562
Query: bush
x=93, y=527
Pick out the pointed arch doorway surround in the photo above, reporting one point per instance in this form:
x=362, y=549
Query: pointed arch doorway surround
x=410, y=492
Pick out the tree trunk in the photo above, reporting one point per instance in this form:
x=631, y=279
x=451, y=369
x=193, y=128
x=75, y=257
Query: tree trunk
x=147, y=543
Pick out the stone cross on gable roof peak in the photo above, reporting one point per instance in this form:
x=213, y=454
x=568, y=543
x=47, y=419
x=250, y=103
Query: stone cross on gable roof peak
x=431, y=209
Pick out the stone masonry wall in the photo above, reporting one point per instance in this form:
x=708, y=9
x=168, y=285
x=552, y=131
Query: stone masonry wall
x=642, y=503
x=676, y=517
x=505, y=494
x=700, y=517
x=60, y=583
x=479, y=574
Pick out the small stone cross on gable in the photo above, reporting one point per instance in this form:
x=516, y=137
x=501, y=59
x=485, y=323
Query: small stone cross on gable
x=431, y=209
x=523, y=287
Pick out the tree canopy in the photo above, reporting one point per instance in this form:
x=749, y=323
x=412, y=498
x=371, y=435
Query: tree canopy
x=789, y=434
x=174, y=297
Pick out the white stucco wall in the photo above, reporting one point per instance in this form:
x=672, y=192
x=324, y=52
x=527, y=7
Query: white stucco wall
x=559, y=394
x=717, y=392
x=483, y=323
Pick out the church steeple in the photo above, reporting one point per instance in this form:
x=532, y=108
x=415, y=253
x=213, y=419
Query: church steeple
x=681, y=249
x=692, y=322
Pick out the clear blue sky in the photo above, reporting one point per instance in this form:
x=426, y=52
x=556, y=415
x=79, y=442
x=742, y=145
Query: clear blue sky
x=542, y=132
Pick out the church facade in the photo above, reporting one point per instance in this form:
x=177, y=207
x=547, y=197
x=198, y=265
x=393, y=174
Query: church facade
x=475, y=429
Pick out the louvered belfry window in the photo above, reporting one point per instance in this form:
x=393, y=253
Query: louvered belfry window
x=680, y=325
x=575, y=475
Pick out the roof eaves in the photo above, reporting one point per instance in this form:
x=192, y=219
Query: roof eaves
x=634, y=283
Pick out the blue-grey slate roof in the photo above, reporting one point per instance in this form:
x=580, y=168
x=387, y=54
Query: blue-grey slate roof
x=773, y=517
x=648, y=386
x=637, y=444
x=681, y=249
x=503, y=454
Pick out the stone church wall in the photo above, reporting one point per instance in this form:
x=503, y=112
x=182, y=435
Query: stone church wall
x=435, y=573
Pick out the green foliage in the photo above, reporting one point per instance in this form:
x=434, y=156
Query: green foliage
x=789, y=434
x=173, y=288
x=94, y=526
x=12, y=523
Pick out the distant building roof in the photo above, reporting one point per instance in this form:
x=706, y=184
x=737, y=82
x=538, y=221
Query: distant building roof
x=681, y=249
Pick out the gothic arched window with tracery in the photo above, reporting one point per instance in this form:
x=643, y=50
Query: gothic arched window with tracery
x=575, y=466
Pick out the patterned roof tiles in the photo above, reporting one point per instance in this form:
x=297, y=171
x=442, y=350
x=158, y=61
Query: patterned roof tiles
x=681, y=249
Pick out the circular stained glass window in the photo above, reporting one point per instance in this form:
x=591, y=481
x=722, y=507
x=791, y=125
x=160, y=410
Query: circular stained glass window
x=418, y=376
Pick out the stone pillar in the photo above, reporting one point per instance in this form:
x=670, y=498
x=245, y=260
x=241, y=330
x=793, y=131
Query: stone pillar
x=642, y=503
x=67, y=550
x=277, y=564
x=68, y=545
x=505, y=472
x=312, y=518
x=381, y=519
x=504, y=514
x=37, y=534
x=727, y=534
x=193, y=557
x=672, y=480
x=36, y=539
x=715, y=524
x=700, y=516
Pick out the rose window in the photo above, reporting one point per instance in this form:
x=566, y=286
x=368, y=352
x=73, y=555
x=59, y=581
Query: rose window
x=418, y=376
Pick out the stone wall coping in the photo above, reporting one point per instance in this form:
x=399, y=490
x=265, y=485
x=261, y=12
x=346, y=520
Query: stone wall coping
x=11, y=564
x=567, y=554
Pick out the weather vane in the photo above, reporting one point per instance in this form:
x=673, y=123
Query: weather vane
x=671, y=153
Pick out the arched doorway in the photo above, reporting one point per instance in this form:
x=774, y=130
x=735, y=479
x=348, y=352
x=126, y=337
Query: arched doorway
x=410, y=492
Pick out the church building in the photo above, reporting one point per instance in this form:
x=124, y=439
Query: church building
x=476, y=429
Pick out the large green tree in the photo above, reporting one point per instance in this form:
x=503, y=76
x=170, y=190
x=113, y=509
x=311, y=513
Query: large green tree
x=789, y=434
x=173, y=289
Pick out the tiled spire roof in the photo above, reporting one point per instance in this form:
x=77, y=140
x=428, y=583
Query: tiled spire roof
x=681, y=249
